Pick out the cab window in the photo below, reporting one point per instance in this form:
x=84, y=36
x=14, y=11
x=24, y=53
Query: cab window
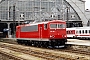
x=45, y=26
x=57, y=25
x=61, y=26
x=53, y=25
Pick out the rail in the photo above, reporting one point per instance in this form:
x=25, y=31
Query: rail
x=45, y=54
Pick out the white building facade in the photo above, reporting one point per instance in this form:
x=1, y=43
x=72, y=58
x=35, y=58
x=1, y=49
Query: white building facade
x=44, y=9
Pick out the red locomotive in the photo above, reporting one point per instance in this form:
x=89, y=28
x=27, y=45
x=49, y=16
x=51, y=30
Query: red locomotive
x=48, y=33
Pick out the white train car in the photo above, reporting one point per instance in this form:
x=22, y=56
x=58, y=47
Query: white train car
x=83, y=32
x=78, y=32
x=71, y=32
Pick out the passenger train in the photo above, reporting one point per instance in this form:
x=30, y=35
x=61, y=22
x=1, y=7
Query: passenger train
x=78, y=32
x=48, y=33
x=71, y=32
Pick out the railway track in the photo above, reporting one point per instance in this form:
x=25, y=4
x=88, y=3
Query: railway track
x=8, y=56
x=47, y=54
x=36, y=53
x=75, y=50
x=78, y=51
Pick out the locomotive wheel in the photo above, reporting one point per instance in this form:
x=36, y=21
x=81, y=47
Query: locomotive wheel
x=45, y=44
x=19, y=41
x=26, y=42
x=29, y=43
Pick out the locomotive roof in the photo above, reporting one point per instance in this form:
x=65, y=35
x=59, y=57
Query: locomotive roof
x=44, y=22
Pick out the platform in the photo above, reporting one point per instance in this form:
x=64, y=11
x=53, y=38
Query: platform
x=78, y=42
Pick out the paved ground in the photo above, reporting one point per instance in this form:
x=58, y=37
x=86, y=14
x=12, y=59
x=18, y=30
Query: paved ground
x=79, y=42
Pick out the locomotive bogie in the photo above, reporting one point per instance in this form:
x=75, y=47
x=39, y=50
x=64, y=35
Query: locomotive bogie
x=51, y=42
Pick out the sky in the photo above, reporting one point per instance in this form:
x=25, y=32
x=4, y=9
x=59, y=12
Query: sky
x=87, y=4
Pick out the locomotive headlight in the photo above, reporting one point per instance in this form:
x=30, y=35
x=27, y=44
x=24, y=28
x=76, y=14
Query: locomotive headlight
x=51, y=36
x=65, y=36
x=52, y=31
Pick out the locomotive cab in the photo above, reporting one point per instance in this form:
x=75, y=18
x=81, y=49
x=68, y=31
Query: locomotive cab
x=57, y=33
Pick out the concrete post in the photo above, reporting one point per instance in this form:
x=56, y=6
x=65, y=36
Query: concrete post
x=9, y=30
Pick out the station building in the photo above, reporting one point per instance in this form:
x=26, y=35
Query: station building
x=13, y=12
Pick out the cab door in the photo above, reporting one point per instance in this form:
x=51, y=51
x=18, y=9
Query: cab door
x=40, y=31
